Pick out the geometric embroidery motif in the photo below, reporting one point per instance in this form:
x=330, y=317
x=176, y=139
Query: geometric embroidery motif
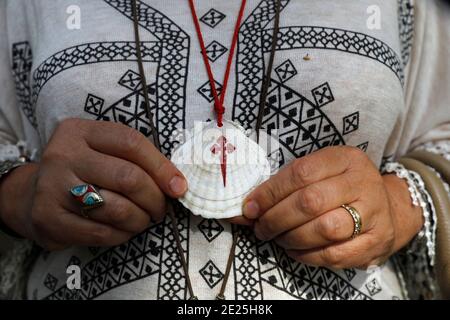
x=302, y=281
x=94, y=250
x=211, y=274
x=297, y=37
x=131, y=110
x=210, y=228
x=322, y=94
x=363, y=146
x=350, y=273
x=133, y=260
x=206, y=91
x=93, y=105
x=172, y=72
x=212, y=18
x=302, y=126
x=285, y=71
x=246, y=267
x=22, y=59
x=171, y=281
x=215, y=50
x=276, y=159
x=173, y=54
x=373, y=287
x=351, y=123
x=131, y=80
x=89, y=53
x=50, y=282
x=74, y=261
x=406, y=17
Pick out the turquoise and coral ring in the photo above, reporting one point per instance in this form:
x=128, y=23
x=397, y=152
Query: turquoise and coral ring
x=88, y=196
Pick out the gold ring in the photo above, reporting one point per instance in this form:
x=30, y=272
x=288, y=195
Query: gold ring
x=357, y=223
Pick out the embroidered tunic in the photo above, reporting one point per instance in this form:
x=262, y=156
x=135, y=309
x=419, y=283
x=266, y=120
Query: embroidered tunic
x=383, y=88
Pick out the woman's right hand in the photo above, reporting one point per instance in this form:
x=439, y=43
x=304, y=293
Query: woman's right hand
x=133, y=177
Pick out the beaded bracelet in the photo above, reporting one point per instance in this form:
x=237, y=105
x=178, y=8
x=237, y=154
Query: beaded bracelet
x=12, y=157
x=420, y=197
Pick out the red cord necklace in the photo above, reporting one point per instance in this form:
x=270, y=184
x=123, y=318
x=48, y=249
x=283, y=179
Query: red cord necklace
x=218, y=101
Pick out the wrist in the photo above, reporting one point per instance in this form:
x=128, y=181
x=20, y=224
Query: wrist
x=16, y=190
x=407, y=218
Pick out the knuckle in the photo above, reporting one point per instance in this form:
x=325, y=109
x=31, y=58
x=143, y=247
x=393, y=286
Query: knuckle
x=354, y=152
x=301, y=171
x=120, y=213
x=330, y=227
x=132, y=141
x=332, y=257
x=267, y=192
x=310, y=201
x=52, y=154
x=128, y=179
x=350, y=185
x=99, y=234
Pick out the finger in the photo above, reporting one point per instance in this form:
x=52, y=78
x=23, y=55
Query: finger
x=241, y=221
x=71, y=229
x=307, y=204
x=127, y=143
x=331, y=227
x=298, y=174
x=123, y=177
x=350, y=254
x=120, y=213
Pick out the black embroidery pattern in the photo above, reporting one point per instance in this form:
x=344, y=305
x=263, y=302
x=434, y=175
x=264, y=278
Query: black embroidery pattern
x=211, y=274
x=406, y=28
x=206, y=91
x=285, y=71
x=172, y=74
x=215, y=50
x=373, y=287
x=312, y=37
x=171, y=282
x=50, y=281
x=77, y=56
x=250, y=63
x=212, y=18
x=22, y=59
x=134, y=260
x=303, y=126
x=210, y=228
x=129, y=110
x=302, y=281
x=248, y=285
x=250, y=67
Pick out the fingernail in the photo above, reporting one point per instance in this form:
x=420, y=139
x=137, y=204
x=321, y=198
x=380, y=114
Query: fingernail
x=178, y=185
x=251, y=209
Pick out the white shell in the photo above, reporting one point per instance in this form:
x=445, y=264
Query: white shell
x=246, y=167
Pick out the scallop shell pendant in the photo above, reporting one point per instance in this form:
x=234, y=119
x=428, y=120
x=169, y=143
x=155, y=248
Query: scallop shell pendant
x=221, y=166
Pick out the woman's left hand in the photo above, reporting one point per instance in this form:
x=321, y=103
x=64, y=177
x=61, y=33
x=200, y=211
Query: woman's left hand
x=300, y=209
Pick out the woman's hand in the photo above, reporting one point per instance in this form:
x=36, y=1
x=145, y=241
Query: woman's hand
x=132, y=174
x=300, y=209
